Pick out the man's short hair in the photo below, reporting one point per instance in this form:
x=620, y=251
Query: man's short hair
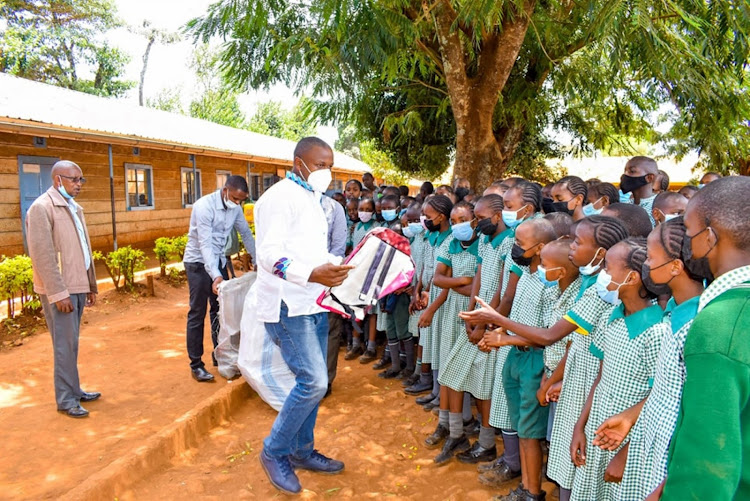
x=307, y=143
x=237, y=183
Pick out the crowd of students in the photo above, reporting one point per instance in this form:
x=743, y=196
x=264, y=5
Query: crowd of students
x=596, y=330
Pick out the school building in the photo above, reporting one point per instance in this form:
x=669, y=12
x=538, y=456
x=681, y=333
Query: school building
x=143, y=167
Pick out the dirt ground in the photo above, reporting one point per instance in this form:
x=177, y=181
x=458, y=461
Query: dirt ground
x=132, y=350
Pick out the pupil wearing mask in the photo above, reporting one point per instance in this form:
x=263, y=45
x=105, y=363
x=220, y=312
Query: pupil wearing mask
x=638, y=179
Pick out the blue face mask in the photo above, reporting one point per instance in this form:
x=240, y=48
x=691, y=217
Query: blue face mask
x=407, y=232
x=463, y=231
x=510, y=217
x=700, y=186
x=64, y=192
x=624, y=197
x=589, y=210
x=402, y=212
x=415, y=228
x=541, y=272
x=388, y=214
x=608, y=296
x=591, y=268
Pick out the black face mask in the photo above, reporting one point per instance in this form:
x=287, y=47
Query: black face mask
x=461, y=193
x=431, y=226
x=653, y=287
x=698, y=266
x=486, y=227
x=517, y=254
x=629, y=184
x=547, y=204
x=561, y=207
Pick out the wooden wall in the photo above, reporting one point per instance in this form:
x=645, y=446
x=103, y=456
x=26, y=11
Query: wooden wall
x=168, y=218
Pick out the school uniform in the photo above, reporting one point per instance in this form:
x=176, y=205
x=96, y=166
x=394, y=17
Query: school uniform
x=418, y=245
x=628, y=351
x=438, y=243
x=361, y=229
x=524, y=367
x=709, y=457
x=650, y=437
x=648, y=206
x=581, y=370
x=467, y=368
x=463, y=263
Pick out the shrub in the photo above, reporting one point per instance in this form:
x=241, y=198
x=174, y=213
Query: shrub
x=17, y=281
x=122, y=265
x=163, y=248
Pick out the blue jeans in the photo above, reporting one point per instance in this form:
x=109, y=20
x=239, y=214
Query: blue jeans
x=304, y=342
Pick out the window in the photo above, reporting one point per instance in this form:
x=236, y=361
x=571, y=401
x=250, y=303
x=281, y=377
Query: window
x=139, y=187
x=190, y=183
x=268, y=180
x=255, y=190
x=221, y=178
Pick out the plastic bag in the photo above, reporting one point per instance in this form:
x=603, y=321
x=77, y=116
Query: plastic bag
x=232, y=295
x=260, y=359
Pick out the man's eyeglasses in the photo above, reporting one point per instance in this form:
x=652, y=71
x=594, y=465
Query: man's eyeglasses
x=75, y=180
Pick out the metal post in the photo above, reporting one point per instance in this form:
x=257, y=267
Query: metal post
x=195, y=179
x=112, y=197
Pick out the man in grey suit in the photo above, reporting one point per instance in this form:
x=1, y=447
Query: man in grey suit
x=64, y=277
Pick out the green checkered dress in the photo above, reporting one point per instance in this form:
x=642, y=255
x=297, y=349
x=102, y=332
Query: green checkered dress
x=463, y=263
x=361, y=229
x=418, y=245
x=439, y=242
x=629, y=351
x=648, y=206
x=467, y=368
x=581, y=369
x=563, y=303
x=652, y=433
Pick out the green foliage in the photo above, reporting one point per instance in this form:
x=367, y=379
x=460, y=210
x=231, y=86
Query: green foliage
x=270, y=119
x=17, y=282
x=122, y=264
x=55, y=41
x=166, y=249
x=382, y=165
x=601, y=71
x=167, y=100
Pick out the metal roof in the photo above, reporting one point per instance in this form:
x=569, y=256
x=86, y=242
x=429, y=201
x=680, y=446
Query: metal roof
x=26, y=104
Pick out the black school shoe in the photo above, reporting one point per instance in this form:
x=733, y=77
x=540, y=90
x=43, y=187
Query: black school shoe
x=471, y=427
x=384, y=362
x=498, y=476
x=478, y=454
x=440, y=434
x=412, y=379
x=391, y=373
x=451, y=447
x=353, y=353
x=521, y=494
x=368, y=356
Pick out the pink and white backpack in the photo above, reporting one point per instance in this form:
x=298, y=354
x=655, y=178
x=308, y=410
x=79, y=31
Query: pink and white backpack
x=383, y=264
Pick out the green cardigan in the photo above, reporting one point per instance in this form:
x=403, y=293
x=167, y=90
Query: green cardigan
x=709, y=458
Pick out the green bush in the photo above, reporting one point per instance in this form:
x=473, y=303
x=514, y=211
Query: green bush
x=17, y=281
x=122, y=265
x=167, y=249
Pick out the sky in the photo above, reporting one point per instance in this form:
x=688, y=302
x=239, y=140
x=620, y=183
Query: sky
x=168, y=65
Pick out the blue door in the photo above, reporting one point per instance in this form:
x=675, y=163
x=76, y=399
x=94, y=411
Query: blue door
x=34, y=179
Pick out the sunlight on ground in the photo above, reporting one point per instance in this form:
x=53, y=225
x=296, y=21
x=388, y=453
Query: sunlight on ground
x=12, y=395
x=169, y=353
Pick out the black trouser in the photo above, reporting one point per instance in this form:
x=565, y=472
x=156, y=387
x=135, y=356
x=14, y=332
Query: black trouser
x=335, y=327
x=201, y=295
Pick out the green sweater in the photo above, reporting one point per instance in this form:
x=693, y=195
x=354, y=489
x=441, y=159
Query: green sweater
x=710, y=450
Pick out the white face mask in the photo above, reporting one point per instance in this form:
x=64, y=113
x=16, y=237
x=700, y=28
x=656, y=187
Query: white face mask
x=591, y=268
x=230, y=204
x=318, y=180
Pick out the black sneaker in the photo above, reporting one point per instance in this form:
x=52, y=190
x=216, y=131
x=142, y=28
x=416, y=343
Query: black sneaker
x=368, y=356
x=451, y=447
x=478, y=454
x=437, y=437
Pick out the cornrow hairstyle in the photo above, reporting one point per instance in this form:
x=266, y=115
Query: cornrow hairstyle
x=463, y=205
x=634, y=217
x=635, y=259
x=530, y=194
x=492, y=201
x=722, y=204
x=441, y=203
x=608, y=231
x=671, y=234
x=513, y=181
x=355, y=181
x=605, y=190
x=575, y=185
x=663, y=180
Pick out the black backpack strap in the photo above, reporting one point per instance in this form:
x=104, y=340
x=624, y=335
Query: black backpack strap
x=373, y=269
x=384, y=271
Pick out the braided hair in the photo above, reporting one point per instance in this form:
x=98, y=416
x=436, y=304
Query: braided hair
x=605, y=190
x=634, y=260
x=464, y=205
x=607, y=230
x=575, y=185
x=493, y=201
x=441, y=204
x=671, y=235
x=531, y=194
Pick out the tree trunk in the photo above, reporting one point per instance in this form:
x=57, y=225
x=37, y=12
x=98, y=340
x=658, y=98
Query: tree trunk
x=143, y=69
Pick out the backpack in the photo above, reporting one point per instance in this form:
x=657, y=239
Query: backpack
x=383, y=264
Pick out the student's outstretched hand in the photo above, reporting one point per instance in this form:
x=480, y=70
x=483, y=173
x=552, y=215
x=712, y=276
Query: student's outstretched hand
x=616, y=466
x=497, y=338
x=578, y=447
x=553, y=393
x=612, y=432
x=330, y=274
x=484, y=315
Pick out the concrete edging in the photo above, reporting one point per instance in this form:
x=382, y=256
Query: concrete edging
x=156, y=453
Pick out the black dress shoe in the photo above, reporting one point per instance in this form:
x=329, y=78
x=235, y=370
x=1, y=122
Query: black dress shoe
x=471, y=427
x=451, y=447
x=419, y=387
x=390, y=373
x=75, y=412
x=440, y=434
x=202, y=375
x=425, y=399
x=90, y=396
x=478, y=454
